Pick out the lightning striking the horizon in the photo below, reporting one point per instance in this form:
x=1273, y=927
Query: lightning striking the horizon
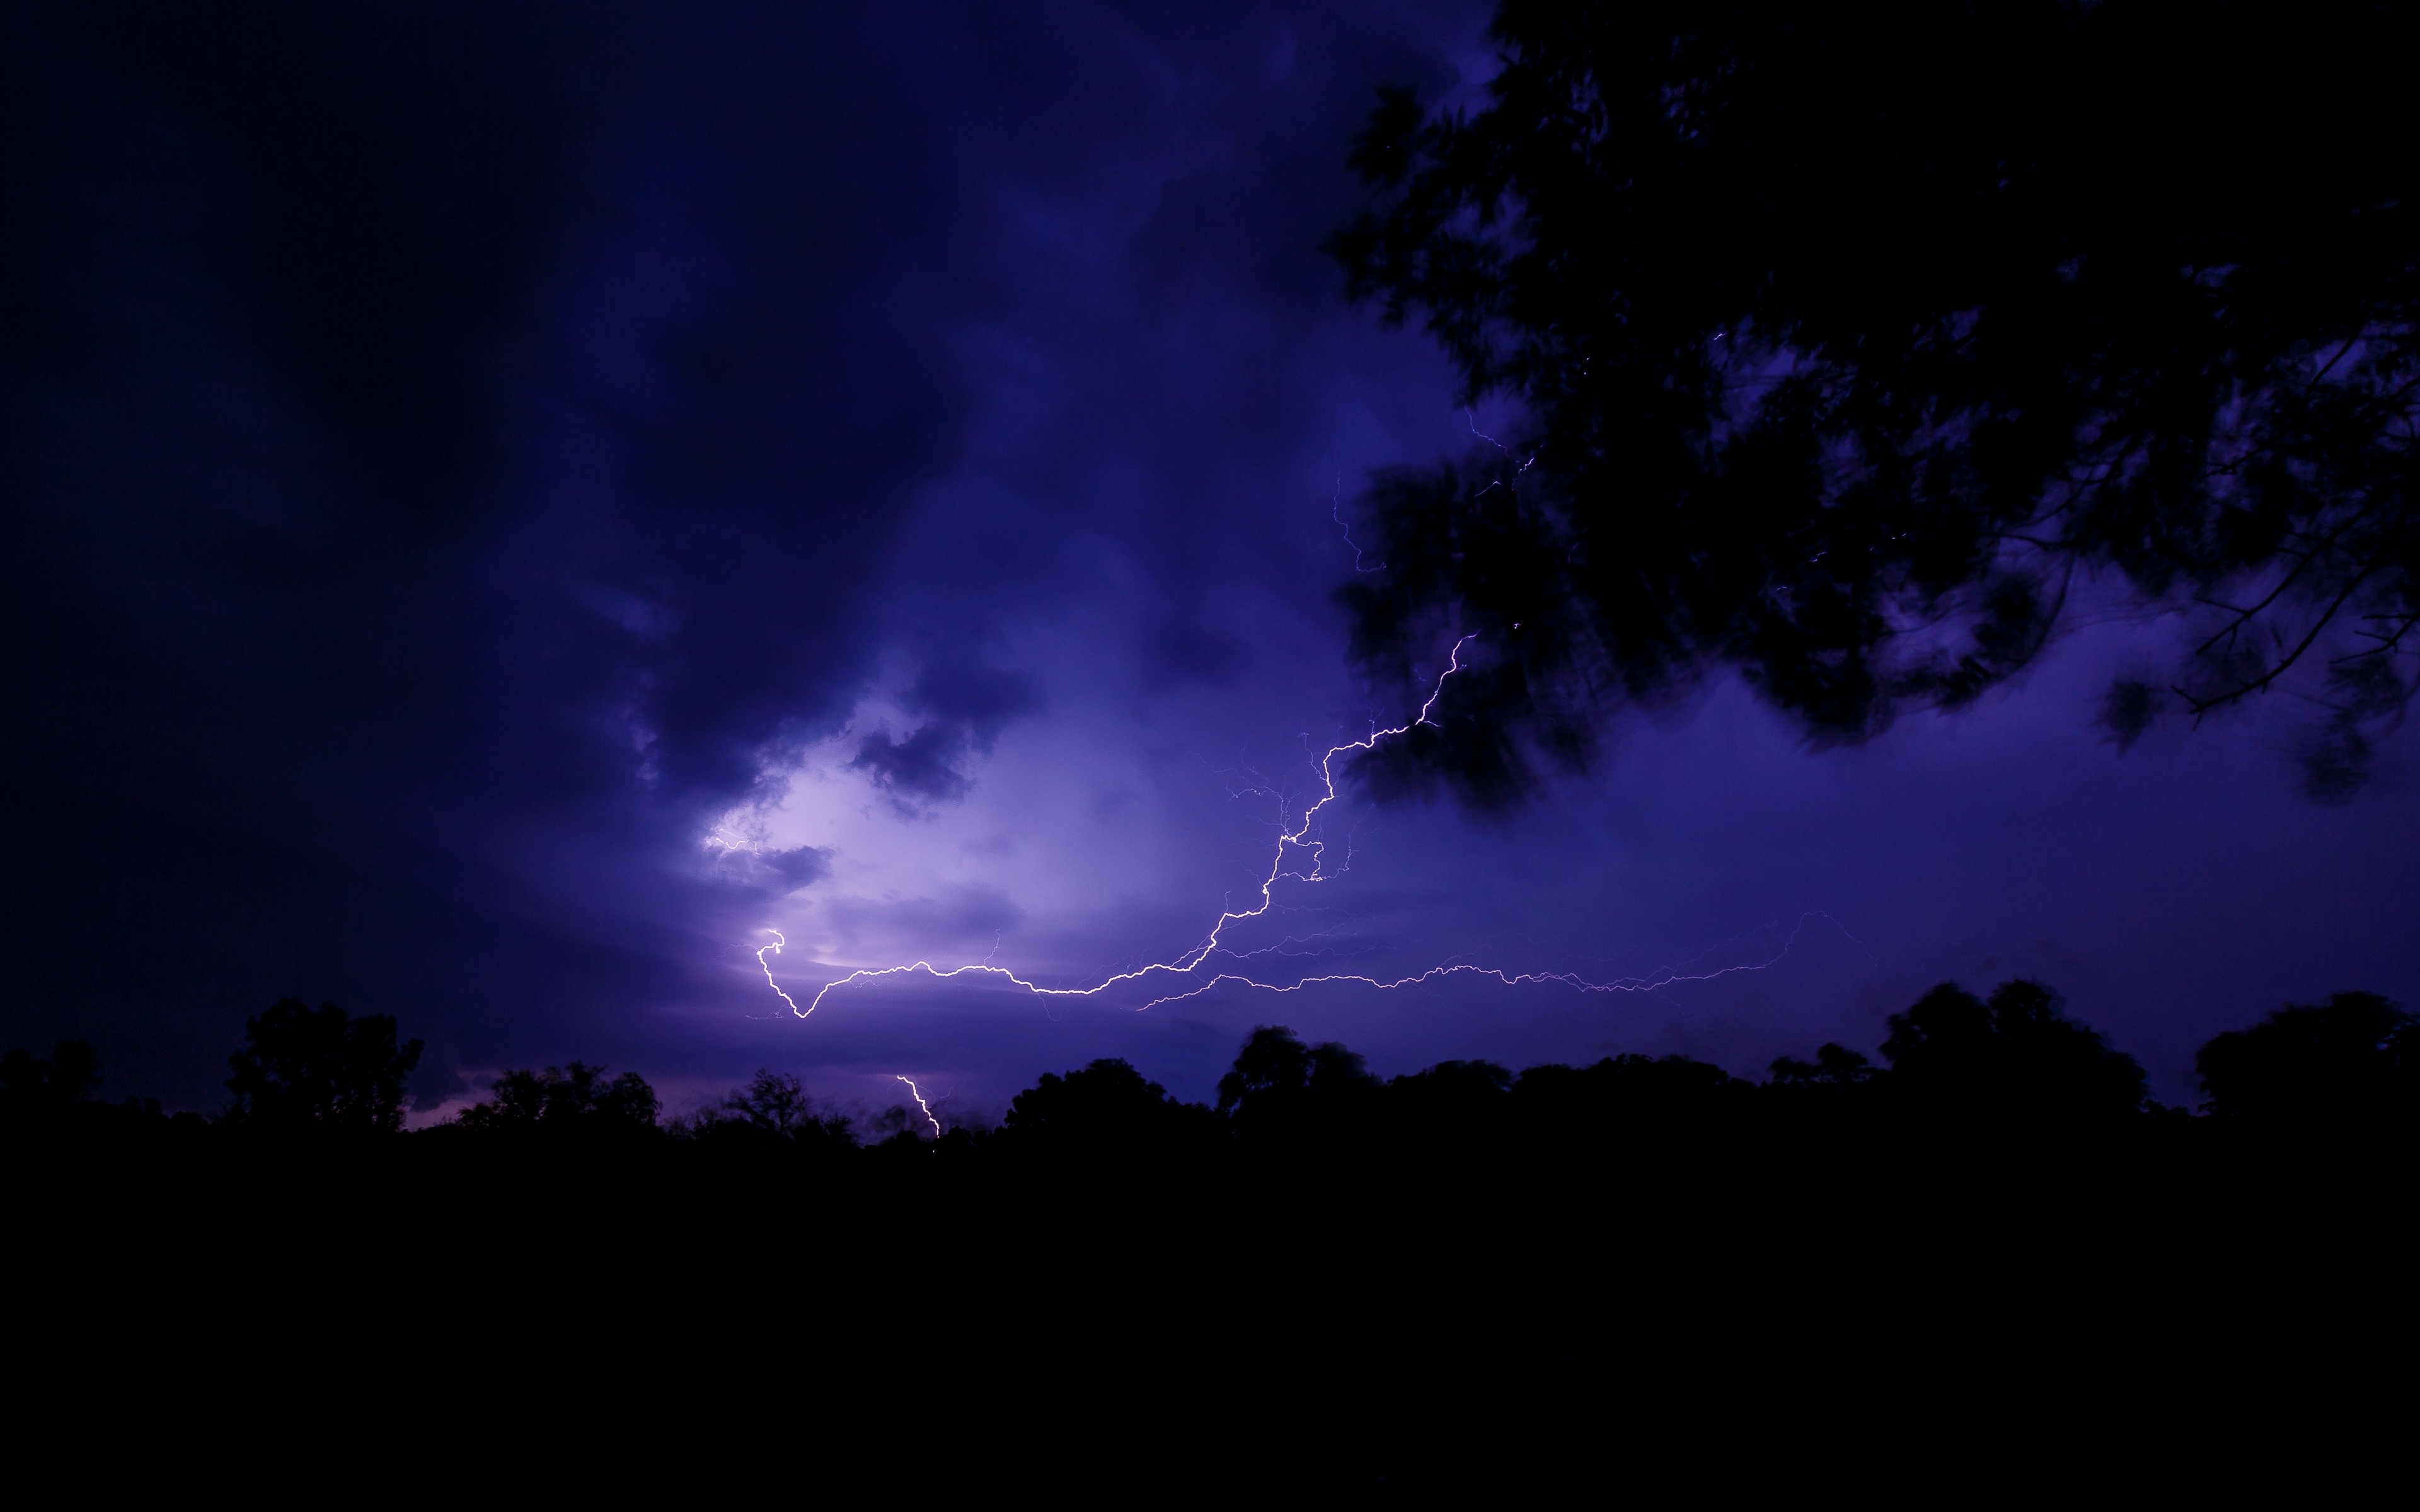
x=1295, y=843
x=921, y=1106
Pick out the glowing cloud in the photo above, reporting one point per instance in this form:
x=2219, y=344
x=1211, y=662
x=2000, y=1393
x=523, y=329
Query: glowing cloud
x=1298, y=857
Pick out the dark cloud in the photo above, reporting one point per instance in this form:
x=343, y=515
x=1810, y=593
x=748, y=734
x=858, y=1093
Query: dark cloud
x=799, y=865
x=923, y=768
x=453, y=450
x=776, y=870
x=447, y=450
x=1196, y=653
x=978, y=700
x=455, y=457
x=967, y=706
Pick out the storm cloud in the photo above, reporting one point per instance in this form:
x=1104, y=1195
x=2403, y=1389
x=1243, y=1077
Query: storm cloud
x=453, y=452
x=508, y=508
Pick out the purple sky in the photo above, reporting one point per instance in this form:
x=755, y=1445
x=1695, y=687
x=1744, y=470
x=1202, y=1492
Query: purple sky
x=464, y=477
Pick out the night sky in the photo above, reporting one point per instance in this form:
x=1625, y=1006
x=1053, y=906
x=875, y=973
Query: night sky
x=508, y=504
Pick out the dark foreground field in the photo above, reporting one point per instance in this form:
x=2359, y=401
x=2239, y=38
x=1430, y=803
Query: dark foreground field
x=1994, y=1252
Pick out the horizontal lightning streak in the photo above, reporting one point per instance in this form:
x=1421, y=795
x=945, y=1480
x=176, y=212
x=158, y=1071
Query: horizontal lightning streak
x=1185, y=964
x=1290, y=840
x=1509, y=978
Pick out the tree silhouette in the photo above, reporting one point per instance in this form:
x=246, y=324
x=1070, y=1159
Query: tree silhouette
x=31, y=1087
x=1458, y=1104
x=1634, y=1100
x=1833, y=1066
x=2010, y=1056
x=1849, y=338
x=1106, y=1109
x=1274, y=1063
x=2355, y=1058
x=319, y=1069
x=573, y=1099
x=773, y=1107
x=1280, y=1087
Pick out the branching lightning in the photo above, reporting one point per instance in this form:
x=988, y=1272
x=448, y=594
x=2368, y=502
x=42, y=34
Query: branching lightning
x=1298, y=857
x=1293, y=841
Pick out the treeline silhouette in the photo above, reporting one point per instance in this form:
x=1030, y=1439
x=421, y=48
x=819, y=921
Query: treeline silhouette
x=1461, y=1277
x=2012, y=1067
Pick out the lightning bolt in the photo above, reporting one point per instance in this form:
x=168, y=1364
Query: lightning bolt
x=921, y=1106
x=1291, y=842
x=1670, y=977
x=1336, y=513
x=779, y=941
x=1296, y=846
